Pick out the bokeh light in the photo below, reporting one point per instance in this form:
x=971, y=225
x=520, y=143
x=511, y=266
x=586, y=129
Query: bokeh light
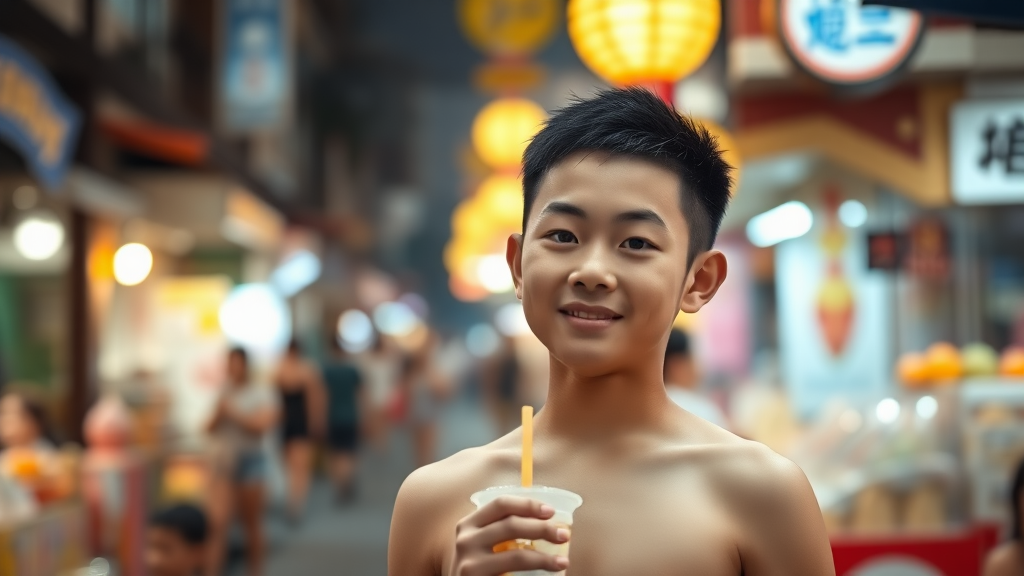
x=132, y=264
x=482, y=340
x=511, y=320
x=395, y=319
x=503, y=128
x=256, y=317
x=355, y=331
x=39, y=237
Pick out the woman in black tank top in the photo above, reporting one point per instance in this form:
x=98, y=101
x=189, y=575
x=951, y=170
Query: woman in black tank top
x=302, y=418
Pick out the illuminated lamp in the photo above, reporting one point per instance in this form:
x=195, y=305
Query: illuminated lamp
x=39, y=236
x=645, y=42
x=503, y=128
x=501, y=198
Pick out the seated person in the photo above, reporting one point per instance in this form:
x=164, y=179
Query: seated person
x=623, y=198
x=176, y=542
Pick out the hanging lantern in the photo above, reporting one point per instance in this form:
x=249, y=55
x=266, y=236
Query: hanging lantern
x=503, y=128
x=647, y=42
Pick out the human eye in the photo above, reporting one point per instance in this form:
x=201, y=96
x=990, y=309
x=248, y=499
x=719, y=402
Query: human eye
x=562, y=237
x=637, y=244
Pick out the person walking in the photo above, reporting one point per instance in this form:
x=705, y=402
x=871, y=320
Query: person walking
x=302, y=393
x=244, y=414
x=427, y=388
x=346, y=403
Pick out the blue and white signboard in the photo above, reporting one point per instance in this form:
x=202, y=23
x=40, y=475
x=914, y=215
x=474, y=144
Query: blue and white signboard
x=844, y=43
x=255, y=66
x=987, y=152
x=35, y=117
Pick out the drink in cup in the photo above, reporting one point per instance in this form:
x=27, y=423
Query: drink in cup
x=564, y=503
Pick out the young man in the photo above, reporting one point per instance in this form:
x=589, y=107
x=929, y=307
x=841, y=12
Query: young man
x=176, y=541
x=623, y=199
x=682, y=380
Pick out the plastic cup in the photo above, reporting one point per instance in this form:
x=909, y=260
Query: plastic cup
x=564, y=503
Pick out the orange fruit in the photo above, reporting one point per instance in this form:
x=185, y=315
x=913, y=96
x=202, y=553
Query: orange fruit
x=944, y=362
x=1012, y=363
x=912, y=369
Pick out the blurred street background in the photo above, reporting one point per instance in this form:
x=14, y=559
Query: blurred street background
x=289, y=217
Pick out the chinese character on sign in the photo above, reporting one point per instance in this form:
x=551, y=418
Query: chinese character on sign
x=834, y=23
x=827, y=25
x=1004, y=144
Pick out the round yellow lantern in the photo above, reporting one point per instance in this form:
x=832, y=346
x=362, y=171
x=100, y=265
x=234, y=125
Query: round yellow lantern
x=643, y=41
x=509, y=27
x=503, y=128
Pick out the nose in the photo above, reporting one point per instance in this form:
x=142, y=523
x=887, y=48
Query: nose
x=593, y=272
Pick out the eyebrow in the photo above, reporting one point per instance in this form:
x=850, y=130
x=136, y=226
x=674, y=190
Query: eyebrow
x=563, y=208
x=641, y=215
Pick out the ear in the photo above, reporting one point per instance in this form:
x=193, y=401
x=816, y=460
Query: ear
x=706, y=276
x=514, y=257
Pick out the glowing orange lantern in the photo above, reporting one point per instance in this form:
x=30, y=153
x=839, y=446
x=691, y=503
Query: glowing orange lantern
x=654, y=42
x=503, y=128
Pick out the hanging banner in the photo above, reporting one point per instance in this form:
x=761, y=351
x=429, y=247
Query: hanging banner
x=255, y=74
x=846, y=44
x=35, y=117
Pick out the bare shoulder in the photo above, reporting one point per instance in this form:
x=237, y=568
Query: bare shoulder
x=430, y=503
x=1005, y=560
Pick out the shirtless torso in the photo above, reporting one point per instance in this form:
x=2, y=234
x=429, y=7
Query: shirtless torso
x=697, y=500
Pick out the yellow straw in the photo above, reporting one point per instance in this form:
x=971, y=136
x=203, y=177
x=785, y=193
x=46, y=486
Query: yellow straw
x=527, y=466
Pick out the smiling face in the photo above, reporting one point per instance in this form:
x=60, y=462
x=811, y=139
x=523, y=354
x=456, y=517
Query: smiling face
x=602, y=266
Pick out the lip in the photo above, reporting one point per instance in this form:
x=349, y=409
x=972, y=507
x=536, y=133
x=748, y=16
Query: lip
x=588, y=317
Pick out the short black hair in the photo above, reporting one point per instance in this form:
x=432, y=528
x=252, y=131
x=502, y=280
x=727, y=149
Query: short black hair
x=634, y=122
x=241, y=353
x=185, y=520
x=678, y=344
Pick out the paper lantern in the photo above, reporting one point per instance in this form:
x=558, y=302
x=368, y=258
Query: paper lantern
x=641, y=41
x=503, y=128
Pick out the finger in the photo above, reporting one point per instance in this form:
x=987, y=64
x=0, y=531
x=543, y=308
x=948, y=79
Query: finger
x=505, y=506
x=514, y=561
x=515, y=527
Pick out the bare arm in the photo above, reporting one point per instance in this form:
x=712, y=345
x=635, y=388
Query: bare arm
x=783, y=533
x=410, y=550
x=1003, y=561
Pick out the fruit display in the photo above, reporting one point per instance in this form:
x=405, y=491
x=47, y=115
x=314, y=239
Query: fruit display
x=942, y=364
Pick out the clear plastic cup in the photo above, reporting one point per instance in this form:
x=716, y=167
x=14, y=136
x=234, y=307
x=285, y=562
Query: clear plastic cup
x=564, y=503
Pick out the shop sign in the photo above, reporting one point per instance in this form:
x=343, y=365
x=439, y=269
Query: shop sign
x=35, y=117
x=987, y=152
x=255, y=73
x=843, y=43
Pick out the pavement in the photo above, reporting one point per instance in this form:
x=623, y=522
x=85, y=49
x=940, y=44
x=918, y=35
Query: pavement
x=352, y=539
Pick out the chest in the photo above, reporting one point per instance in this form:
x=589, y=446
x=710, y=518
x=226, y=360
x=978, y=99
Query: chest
x=654, y=526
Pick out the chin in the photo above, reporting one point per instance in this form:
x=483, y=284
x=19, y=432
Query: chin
x=586, y=362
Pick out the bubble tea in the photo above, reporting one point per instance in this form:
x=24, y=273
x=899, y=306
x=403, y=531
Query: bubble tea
x=564, y=503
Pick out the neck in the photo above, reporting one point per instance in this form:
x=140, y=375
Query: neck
x=595, y=407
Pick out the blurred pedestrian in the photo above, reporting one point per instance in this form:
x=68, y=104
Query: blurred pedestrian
x=176, y=541
x=501, y=380
x=1008, y=559
x=380, y=368
x=427, y=388
x=682, y=380
x=302, y=418
x=346, y=401
x=244, y=414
